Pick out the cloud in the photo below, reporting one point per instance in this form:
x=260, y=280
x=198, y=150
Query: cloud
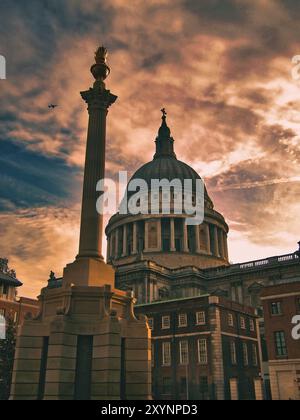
x=222, y=72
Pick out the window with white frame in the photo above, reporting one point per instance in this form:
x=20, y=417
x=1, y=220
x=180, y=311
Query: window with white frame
x=252, y=325
x=184, y=352
x=245, y=354
x=165, y=322
x=166, y=353
x=254, y=355
x=182, y=320
x=200, y=318
x=230, y=320
x=202, y=351
x=242, y=323
x=150, y=323
x=276, y=308
x=233, y=352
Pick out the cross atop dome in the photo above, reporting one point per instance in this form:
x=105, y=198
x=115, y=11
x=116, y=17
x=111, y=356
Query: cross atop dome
x=164, y=141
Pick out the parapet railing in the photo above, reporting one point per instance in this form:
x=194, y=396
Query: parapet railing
x=272, y=261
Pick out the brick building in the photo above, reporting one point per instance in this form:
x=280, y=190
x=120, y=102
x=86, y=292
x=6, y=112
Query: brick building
x=281, y=303
x=11, y=306
x=204, y=347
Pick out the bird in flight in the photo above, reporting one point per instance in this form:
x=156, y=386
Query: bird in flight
x=52, y=106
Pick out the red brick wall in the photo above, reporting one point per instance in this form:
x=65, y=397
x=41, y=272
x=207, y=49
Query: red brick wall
x=282, y=322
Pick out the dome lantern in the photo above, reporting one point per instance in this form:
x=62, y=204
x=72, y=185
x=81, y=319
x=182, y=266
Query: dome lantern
x=164, y=141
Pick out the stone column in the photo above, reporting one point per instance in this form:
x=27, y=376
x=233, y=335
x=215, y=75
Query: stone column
x=225, y=245
x=108, y=248
x=89, y=268
x=116, y=242
x=221, y=243
x=172, y=235
x=159, y=235
x=146, y=242
x=216, y=245
x=208, y=248
x=124, y=253
x=185, y=237
x=134, y=238
x=197, y=238
x=99, y=100
x=111, y=251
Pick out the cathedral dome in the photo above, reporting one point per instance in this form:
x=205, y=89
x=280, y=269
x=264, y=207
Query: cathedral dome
x=170, y=168
x=164, y=237
x=165, y=164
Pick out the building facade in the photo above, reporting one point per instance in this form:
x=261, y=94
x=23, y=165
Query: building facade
x=13, y=307
x=160, y=256
x=204, y=348
x=281, y=305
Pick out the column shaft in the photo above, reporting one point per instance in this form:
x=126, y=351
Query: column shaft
x=208, y=248
x=197, y=238
x=225, y=245
x=185, y=237
x=216, y=250
x=221, y=243
x=146, y=242
x=159, y=235
x=124, y=253
x=134, y=238
x=116, y=242
x=172, y=235
x=90, y=243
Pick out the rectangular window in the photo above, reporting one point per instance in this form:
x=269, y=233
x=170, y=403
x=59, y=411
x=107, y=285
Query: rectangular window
x=252, y=325
x=276, y=308
x=245, y=354
x=182, y=320
x=242, y=323
x=167, y=386
x=184, y=352
x=202, y=351
x=166, y=353
x=203, y=387
x=280, y=343
x=254, y=355
x=2, y=311
x=230, y=320
x=165, y=322
x=233, y=353
x=150, y=323
x=200, y=318
x=183, y=385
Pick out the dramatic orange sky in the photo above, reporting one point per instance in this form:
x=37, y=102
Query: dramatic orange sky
x=222, y=68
